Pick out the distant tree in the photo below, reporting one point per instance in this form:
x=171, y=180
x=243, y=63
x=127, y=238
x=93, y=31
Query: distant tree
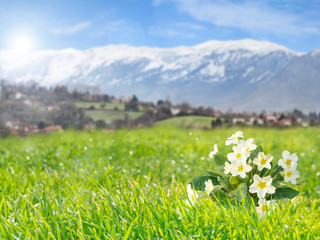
x=105, y=98
x=4, y=131
x=41, y=125
x=282, y=116
x=91, y=107
x=132, y=105
x=163, y=113
x=101, y=124
x=160, y=102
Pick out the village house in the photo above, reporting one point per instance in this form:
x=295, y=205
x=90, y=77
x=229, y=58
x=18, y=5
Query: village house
x=52, y=128
x=254, y=120
x=285, y=122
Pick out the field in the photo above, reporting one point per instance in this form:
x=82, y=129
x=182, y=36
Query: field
x=131, y=184
x=110, y=116
x=97, y=105
x=193, y=122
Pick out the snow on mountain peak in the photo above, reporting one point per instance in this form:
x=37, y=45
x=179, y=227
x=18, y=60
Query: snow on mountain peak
x=259, y=47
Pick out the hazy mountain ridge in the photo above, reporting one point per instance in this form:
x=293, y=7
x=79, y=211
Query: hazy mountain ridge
x=244, y=75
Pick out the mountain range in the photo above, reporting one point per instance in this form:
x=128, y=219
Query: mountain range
x=243, y=75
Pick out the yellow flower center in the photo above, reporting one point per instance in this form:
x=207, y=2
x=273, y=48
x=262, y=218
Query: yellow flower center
x=248, y=149
x=288, y=162
x=263, y=161
x=238, y=155
x=262, y=185
x=234, y=137
x=240, y=168
x=289, y=173
x=264, y=208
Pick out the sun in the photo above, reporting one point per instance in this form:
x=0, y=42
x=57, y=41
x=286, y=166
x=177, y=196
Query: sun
x=22, y=44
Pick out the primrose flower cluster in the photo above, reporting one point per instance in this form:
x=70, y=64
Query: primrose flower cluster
x=246, y=172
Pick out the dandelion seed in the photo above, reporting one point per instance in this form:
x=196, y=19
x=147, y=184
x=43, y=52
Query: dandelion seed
x=190, y=133
x=130, y=152
x=28, y=157
x=302, y=154
x=173, y=162
x=313, y=166
x=197, y=138
x=312, y=150
x=90, y=139
x=85, y=148
x=110, y=157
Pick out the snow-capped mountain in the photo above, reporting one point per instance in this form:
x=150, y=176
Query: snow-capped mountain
x=244, y=75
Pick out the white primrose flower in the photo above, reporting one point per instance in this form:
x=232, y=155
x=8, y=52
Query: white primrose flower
x=209, y=186
x=234, y=138
x=249, y=146
x=289, y=160
x=262, y=186
x=192, y=194
x=291, y=174
x=214, y=152
x=227, y=167
x=240, y=168
x=238, y=152
x=263, y=161
x=263, y=207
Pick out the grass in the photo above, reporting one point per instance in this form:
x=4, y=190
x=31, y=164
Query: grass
x=132, y=185
x=198, y=122
x=110, y=116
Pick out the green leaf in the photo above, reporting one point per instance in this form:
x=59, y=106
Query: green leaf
x=283, y=192
x=198, y=183
x=219, y=159
x=210, y=173
x=254, y=153
x=276, y=180
x=276, y=170
x=218, y=194
x=225, y=182
x=241, y=192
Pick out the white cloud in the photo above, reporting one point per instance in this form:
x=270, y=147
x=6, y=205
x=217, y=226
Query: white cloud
x=179, y=29
x=71, y=30
x=169, y=32
x=251, y=16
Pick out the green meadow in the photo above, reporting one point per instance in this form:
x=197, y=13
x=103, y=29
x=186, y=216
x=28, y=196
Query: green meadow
x=131, y=184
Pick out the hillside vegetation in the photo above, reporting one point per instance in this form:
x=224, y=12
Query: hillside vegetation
x=132, y=185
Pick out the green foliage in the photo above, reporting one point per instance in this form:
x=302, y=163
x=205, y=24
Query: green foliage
x=220, y=159
x=241, y=192
x=284, y=192
x=198, y=183
x=254, y=153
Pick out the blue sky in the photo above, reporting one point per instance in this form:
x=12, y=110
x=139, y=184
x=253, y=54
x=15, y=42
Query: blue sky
x=83, y=24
